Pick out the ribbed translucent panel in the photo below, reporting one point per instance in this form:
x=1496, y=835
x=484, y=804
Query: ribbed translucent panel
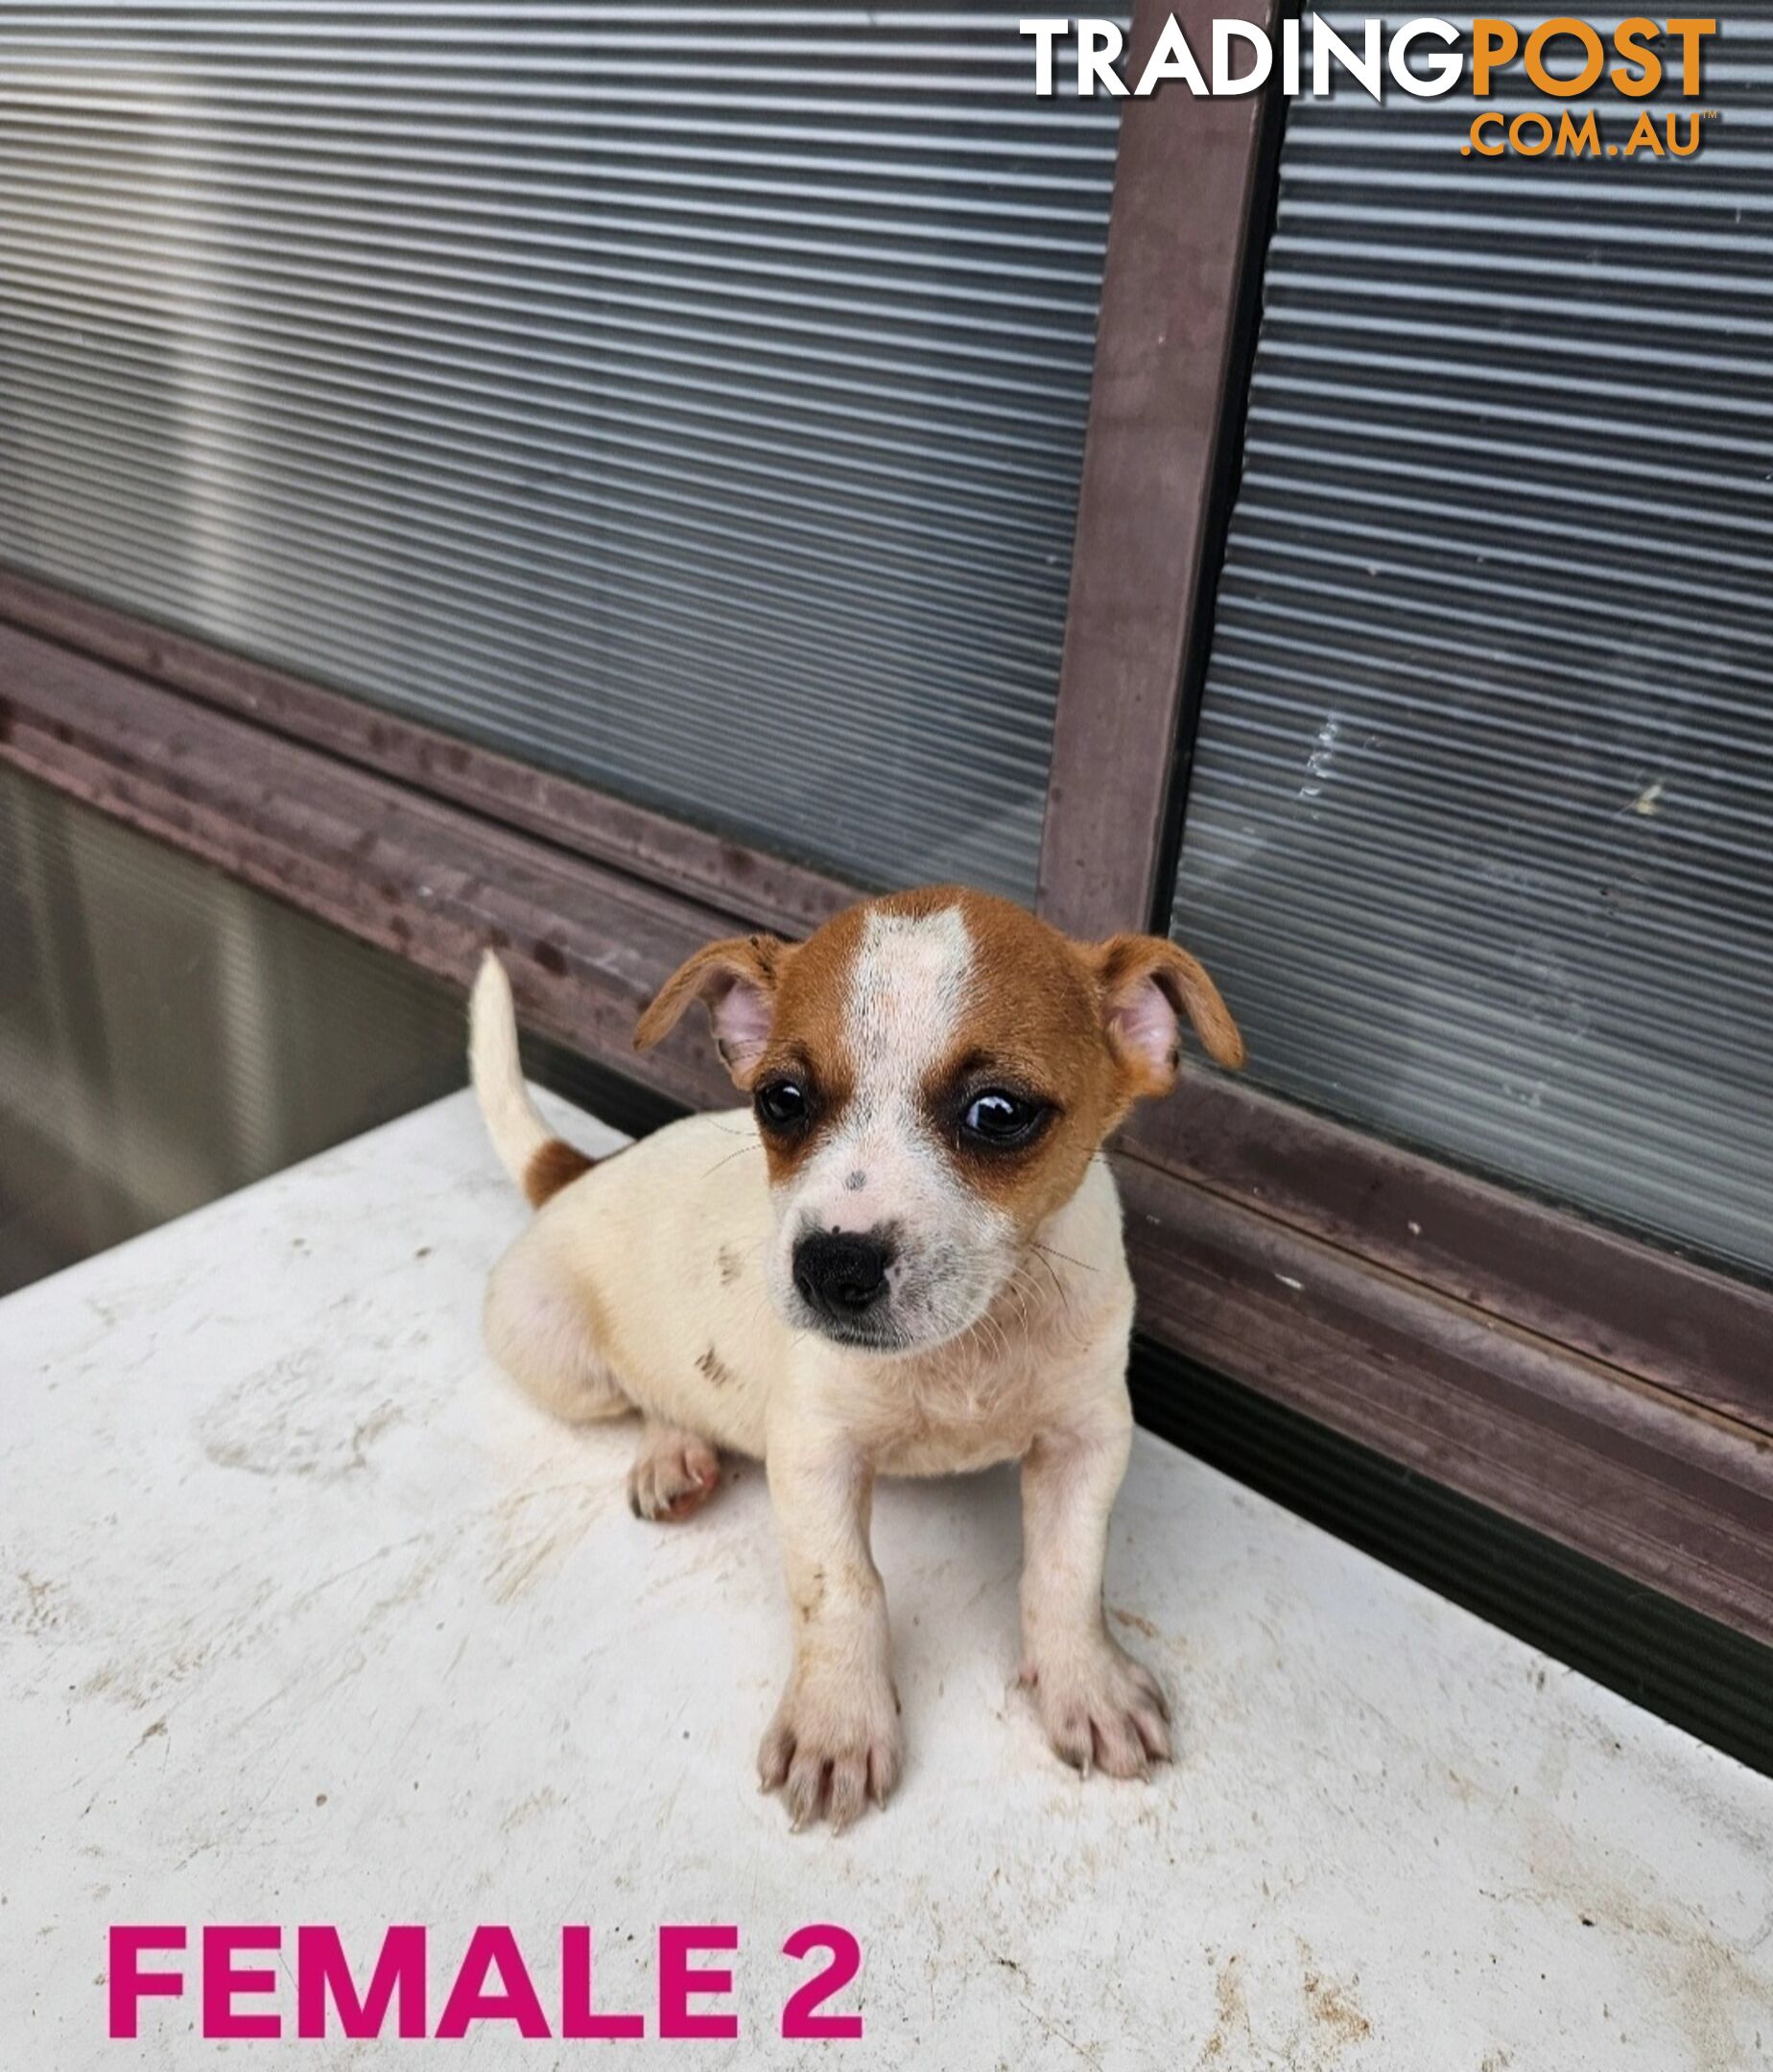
x=1479, y=834
x=167, y=1034
x=688, y=398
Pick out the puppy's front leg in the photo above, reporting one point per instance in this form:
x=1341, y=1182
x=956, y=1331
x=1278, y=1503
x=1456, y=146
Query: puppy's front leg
x=1101, y=1707
x=835, y=1740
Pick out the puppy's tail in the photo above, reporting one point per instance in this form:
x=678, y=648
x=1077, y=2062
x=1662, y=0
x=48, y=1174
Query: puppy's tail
x=540, y=1163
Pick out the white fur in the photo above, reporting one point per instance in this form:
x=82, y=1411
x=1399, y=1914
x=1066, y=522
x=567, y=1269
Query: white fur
x=513, y=1122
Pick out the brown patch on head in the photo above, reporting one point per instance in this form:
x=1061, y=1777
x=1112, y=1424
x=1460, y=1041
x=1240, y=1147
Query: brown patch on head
x=1082, y=1029
x=1032, y=1027
x=552, y=1167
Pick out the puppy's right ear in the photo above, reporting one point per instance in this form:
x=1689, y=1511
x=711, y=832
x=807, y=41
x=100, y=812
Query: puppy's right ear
x=737, y=979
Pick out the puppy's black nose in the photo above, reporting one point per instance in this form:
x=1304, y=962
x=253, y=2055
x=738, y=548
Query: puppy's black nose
x=842, y=1273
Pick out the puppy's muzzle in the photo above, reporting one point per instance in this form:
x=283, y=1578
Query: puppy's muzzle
x=842, y=1275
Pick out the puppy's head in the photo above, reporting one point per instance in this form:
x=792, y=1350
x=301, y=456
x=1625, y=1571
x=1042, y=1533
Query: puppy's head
x=932, y=1073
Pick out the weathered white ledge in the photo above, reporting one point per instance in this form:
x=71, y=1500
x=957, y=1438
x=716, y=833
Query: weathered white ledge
x=307, y=1618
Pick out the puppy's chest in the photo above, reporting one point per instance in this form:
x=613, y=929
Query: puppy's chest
x=944, y=1424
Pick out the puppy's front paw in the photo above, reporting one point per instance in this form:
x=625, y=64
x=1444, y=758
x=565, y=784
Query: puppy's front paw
x=831, y=1748
x=1102, y=1710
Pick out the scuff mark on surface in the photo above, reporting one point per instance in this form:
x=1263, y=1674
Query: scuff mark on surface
x=539, y=1529
x=1231, y=2013
x=1332, y=2009
x=40, y=1611
x=288, y=1418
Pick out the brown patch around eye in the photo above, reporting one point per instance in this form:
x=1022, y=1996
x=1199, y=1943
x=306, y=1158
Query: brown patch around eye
x=1014, y=1175
x=950, y=1096
x=1032, y=1027
x=808, y=1039
x=787, y=1145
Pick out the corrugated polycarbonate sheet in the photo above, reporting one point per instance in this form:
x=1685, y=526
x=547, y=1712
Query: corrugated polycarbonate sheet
x=1479, y=834
x=687, y=398
x=168, y=1035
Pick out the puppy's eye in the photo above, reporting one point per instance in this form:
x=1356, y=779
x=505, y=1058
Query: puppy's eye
x=781, y=1104
x=1002, y=1119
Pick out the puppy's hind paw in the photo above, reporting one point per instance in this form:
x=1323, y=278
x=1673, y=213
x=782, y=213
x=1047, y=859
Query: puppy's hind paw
x=1103, y=1710
x=673, y=1474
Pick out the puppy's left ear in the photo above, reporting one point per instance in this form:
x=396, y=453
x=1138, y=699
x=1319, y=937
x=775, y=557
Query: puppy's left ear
x=1146, y=985
x=737, y=979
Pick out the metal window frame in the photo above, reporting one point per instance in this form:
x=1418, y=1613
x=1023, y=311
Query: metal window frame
x=576, y=816
x=1186, y=230
x=1611, y=1395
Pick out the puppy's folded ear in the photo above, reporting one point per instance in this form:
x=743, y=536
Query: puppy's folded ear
x=1146, y=984
x=737, y=979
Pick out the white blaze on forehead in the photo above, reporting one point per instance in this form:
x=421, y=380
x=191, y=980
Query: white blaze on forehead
x=908, y=992
x=884, y=1166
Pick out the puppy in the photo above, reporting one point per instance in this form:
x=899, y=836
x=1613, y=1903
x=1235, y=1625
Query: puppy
x=905, y=1258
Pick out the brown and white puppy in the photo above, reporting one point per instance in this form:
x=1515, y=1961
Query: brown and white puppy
x=905, y=1258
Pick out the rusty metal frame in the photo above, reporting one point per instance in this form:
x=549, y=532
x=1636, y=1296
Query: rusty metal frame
x=1634, y=1475
x=1176, y=316
x=578, y=817
x=1668, y=1321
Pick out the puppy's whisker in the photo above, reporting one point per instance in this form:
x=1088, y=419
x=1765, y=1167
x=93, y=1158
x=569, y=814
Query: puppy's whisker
x=1054, y=1251
x=1058, y=1285
x=729, y=1158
